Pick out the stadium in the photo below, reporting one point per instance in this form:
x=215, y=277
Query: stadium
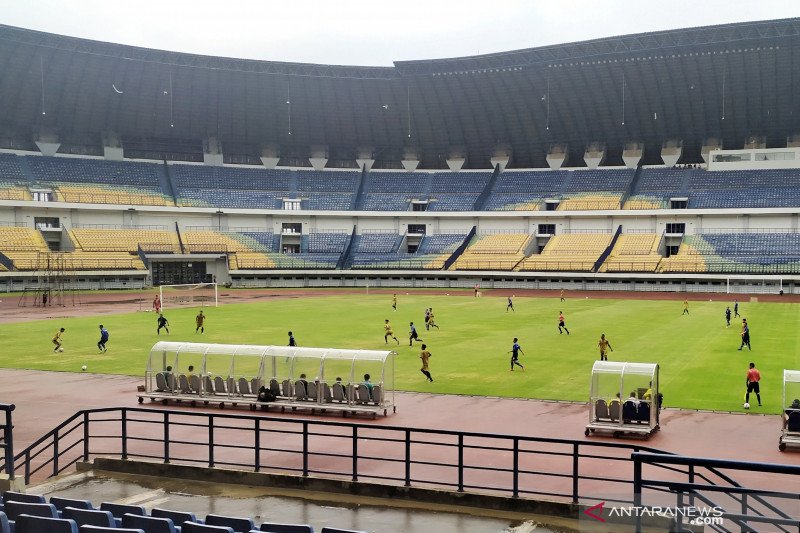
x=645, y=187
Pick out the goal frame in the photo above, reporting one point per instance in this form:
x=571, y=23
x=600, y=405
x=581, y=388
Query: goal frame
x=189, y=286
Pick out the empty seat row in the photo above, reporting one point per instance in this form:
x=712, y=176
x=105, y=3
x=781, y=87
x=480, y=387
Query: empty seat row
x=26, y=513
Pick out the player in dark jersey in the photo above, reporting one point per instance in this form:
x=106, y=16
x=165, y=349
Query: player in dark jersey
x=515, y=351
x=162, y=323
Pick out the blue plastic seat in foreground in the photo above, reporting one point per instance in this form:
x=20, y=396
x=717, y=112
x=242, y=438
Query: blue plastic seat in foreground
x=98, y=529
x=40, y=524
x=148, y=523
x=63, y=503
x=15, y=509
x=337, y=530
x=4, y=526
x=11, y=496
x=177, y=517
x=239, y=525
x=90, y=517
x=120, y=509
x=286, y=528
x=194, y=527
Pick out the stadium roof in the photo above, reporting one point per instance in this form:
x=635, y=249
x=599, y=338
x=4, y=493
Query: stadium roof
x=728, y=82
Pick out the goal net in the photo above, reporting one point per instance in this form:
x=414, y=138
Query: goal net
x=190, y=295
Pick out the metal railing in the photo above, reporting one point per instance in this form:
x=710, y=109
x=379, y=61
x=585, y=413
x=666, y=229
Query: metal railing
x=7, y=440
x=115, y=198
x=506, y=465
x=701, y=482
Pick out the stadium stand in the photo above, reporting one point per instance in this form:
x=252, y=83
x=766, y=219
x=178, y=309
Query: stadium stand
x=452, y=191
x=595, y=189
x=744, y=189
x=13, y=183
x=125, y=240
x=576, y=252
x=431, y=254
x=751, y=252
x=330, y=191
x=634, y=252
x=499, y=251
x=524, y=190
x=230, y=187
x=656, y=186
x=99, y=181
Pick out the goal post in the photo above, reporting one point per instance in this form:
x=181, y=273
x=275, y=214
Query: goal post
x=188, y=295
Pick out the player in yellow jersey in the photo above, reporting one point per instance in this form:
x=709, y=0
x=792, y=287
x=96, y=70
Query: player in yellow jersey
x=387, y=332
x=425, y=355
x=57, y=340
x=603, y=344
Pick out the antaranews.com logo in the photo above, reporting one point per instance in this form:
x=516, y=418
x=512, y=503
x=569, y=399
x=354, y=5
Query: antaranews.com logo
x=689, y=515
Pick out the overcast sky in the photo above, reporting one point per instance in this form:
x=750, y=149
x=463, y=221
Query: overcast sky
x=376, y=32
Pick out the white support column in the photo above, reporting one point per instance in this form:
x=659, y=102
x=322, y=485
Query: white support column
x=556, y=156
x=456, y=158
x=632, y=154
x=501, y=156
x=594, y=154
x=212, y=152
x=410, y=159
x=755, y=142
x=112, y=147
x=47, y=143
x=365, y=158
x=319, y=157
x=671, y=152
x=270, y=155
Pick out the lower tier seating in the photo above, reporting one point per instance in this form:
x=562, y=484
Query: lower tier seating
x=501, y=251
x=634, y=252
x=577, y=252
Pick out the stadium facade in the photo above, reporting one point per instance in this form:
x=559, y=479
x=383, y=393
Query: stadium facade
x=657, y=161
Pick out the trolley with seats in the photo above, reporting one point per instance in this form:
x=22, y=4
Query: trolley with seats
x=314, y=379
x=790, y=433
x=624, y=399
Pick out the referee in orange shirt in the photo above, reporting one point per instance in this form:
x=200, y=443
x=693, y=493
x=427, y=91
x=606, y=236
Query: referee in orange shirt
x=753, y=377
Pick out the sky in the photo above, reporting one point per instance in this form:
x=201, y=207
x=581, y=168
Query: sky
x=374, y=33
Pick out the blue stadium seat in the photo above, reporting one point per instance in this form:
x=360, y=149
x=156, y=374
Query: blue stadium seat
x=194, y=527
x=239, y=525
x=9, y=496
x=177, y=517
x=63, y=503
x=5, y=527
x=337, y=530
x=120, y=509
x=38, y=524
x=91, y=517
x=14, y=509
x=286, y=528
x=148, y=524
x=98, y=529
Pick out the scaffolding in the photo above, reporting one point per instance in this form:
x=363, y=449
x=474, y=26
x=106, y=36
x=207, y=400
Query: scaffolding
x=55, y=282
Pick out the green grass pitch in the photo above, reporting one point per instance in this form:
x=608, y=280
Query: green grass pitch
x=700, y=365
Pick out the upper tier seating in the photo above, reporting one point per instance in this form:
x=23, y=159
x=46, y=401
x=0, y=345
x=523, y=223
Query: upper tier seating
x=569, y=252
x=634, y=252
x=100, y=181
x=456, y=191
x=13, y=183
x=595, y=189
x=745, y=253
x=125, y=240
x=524, y=190
x=254, y=179
x=500, y=251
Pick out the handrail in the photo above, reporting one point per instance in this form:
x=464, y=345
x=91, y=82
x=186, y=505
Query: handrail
x=7, y=442
x=88, y=433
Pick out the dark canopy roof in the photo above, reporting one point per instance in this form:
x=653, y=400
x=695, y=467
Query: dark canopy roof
x=730, y=82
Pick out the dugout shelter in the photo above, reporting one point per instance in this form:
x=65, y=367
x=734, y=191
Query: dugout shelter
x=316, y=379
x=790, y=433
x=624, y=399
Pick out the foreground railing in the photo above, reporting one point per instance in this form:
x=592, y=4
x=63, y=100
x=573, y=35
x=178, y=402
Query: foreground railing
x=514, y=466
x=711, y=498
x=507, y=465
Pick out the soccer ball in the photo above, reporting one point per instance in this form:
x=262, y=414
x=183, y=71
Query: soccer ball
x=746, y=405
x=84, y=368
x=61, y=349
